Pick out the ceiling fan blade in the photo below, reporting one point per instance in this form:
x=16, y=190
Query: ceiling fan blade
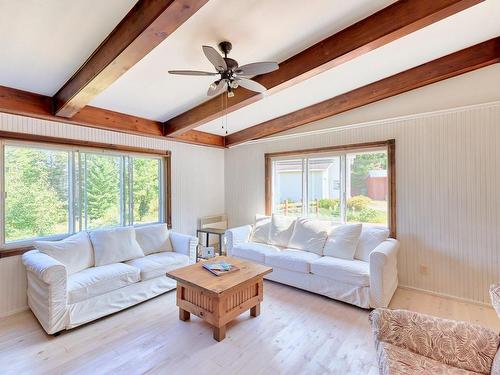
x=256, y=68
x=250, y=85
x=220, y=88
x=192, y=73
x=215, y=58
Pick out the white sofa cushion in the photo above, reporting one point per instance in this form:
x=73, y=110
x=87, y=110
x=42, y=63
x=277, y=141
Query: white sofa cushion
x=281, y=230
x=95, y=281
x=371, y=236
x=353, y=272
x=115, y=245
x=153, y=238
x=309, y=235
x=261, y=229
x=148, y=268
x=342, y=241
x=170, y=260
x=254, y=251
x=74, y=252
x=292, y=260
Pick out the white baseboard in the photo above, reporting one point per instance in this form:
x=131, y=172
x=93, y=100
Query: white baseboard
x=15, y=311
x=447, y=296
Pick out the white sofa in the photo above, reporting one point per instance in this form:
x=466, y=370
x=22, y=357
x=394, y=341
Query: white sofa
x=90, y=275
x=360, y=269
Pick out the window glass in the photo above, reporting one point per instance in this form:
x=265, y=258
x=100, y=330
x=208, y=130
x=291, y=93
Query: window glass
x=146, y=190
x=102, y=190
x=287, y=187
x=36, y=187
x=324, y=188
x=343, y=187
x=367, y=187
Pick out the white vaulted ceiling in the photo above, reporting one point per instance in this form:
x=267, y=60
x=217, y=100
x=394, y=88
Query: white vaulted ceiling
x=44, y=42
x=259, y=30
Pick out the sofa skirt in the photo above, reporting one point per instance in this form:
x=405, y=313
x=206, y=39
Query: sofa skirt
x=355, y=295
x=116, y=300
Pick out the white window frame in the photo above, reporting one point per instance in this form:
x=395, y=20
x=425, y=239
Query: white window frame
x=75, y=189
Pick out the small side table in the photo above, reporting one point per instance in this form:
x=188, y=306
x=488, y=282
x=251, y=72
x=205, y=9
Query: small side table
x=216, y=231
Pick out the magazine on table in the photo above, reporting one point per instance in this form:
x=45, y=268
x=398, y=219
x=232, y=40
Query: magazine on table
x=220, y=268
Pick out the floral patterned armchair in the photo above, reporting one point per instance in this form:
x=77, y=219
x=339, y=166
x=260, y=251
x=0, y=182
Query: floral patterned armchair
x=411, y=343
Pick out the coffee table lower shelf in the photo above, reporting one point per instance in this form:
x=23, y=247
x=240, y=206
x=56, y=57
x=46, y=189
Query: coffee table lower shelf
x=218, y=309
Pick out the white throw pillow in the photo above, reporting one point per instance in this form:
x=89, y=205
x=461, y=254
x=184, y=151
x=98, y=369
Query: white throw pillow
x=309, y=235
x=281, y=230
x=75, y=252
x=371, y=237
x=342, y=241
x=153, y=238
x=115, y=245
x=261, y=229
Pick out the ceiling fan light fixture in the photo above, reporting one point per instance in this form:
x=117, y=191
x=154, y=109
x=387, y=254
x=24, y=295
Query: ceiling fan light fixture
x=231, y=74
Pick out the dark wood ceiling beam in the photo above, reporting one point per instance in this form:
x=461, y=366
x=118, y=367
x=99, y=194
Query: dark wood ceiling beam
x=381, y=28
x=469, y=59
x=28, y=104
x=147, y=24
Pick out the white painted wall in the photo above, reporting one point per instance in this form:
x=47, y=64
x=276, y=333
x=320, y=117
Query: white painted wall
x=448, y=179
x=197, y=188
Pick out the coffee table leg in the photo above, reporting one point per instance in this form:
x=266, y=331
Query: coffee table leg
x=255, y=311
x=220, y=333
x=183, y=314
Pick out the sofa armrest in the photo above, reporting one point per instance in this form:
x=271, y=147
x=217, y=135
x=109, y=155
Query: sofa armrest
x=237, y=235
x=457, y=344
x=383, y=272
x=46, y=268
x=184, y=244
x=47, y=290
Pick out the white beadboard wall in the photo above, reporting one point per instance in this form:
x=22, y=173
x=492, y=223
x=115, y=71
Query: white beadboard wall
x=448, y=192
x=197, y=188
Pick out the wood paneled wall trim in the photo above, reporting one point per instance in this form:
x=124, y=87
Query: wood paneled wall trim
x=385, y=26
x=452, y=65
x=389, y=144
x=23, y=103
x=79, y=143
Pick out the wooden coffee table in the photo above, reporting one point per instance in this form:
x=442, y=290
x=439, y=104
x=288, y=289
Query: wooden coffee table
x=219, y=299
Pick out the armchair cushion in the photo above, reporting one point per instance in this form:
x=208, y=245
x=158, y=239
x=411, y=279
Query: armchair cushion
x=115, y=245
x=153, y=238
x=396, y=360
x=454, y=343
x=75, y=252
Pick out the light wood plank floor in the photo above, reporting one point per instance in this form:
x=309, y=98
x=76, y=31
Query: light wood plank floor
x=296, y=333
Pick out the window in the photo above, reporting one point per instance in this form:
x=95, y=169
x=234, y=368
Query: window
x=348, y=184
x=36, y=192
x=53, y=191
x=146, y=189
